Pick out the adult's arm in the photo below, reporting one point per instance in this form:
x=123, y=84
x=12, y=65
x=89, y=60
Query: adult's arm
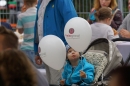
x=124, y=23
x=67, y=9
x=91, y=17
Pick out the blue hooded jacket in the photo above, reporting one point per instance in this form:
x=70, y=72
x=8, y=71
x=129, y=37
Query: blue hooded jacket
x=57, y=14
x=72, y=75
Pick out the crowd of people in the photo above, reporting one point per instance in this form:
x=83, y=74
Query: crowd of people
x=38, y=18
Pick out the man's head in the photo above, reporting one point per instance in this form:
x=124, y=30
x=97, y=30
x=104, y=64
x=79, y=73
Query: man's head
x=7, y=39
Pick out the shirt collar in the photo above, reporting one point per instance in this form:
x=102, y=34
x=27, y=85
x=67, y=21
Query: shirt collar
x=31, y=9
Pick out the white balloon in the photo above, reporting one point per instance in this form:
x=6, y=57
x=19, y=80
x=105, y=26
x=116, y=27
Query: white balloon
x=52, y=51
x=3, y=3
x=78, y=33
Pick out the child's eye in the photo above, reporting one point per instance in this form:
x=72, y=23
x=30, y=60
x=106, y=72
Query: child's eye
x=69, y=51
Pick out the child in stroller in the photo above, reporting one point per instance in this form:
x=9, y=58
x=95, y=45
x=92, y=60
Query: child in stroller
x=104, y=56
x=77, y=70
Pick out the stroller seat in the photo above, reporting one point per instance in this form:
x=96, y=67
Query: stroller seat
x=99, y=60
x=105, y=56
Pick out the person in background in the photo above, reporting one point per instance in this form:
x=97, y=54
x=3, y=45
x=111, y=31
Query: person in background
x=117, y=15
x=120, y=76
x=101, y=28
x=16, y=69
x=124, y=29
x=7, y=25
x=52, y=15
x=8, y=40
x=25, y=24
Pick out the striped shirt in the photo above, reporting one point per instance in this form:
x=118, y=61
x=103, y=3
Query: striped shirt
x=26, y=20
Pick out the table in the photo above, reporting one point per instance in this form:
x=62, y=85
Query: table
x=124, y=48
x=43, y=72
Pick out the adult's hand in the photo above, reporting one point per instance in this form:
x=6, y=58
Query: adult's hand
x=38, y=60
x=124, y=33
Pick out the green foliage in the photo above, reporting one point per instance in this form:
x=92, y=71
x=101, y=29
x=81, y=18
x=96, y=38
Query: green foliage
x=83, y=7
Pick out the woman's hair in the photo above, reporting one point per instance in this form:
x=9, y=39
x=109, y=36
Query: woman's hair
x=112, y=5
x=103, y=13
x=16, y=69
x=123, y=75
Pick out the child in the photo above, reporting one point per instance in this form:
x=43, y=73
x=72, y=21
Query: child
x=16, y=69
x=25, y=24
x=102, y=28
x=77, y=70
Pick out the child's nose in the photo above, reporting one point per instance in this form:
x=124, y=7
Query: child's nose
x=73, y=52
x=103, y=1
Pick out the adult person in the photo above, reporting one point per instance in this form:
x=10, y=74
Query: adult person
x=117, y=15
x=8, y=40
x=124, y=29
x=52, y=15
x=16, y=69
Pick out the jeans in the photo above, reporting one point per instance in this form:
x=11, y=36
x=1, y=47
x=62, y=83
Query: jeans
x=31, y=56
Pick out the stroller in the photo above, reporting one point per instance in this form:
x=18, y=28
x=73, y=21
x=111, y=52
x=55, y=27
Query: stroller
x=125, y=63
x=104, y=55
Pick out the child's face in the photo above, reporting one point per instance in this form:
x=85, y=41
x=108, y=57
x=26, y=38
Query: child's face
x=72, y=54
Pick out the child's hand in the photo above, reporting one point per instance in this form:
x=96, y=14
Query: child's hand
x=82, y=74
x=115, y=32
x=62, y=82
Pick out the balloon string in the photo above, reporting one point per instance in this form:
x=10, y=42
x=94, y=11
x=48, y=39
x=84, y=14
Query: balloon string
x=81, y=59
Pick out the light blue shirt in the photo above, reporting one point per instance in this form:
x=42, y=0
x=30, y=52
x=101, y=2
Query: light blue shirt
x=26, y=20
